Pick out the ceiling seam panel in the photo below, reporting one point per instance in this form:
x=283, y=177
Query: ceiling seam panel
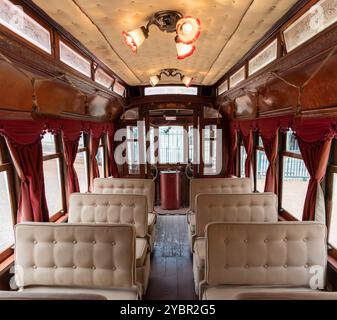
x=106, y=39
x=229, y=39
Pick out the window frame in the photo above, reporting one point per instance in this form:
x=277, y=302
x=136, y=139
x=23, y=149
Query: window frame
x=59, y=156
x=257, y=148
x=7, y=166
x=85, y=150
x=284, y=153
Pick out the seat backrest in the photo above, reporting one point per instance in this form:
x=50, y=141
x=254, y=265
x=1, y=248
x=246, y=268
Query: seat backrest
x=144, y=187
x=266, y=254
x=250, y=207
x=92, y=256
x=218, y=185
x=110, y=208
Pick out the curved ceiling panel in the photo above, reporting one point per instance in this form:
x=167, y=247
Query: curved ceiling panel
x=229, y=29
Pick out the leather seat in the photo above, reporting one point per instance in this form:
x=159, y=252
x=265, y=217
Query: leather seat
x=118, y=208
x=243, y=258
x=135, y=187
x=213, y=186
x=258, y=207
x=70, y=259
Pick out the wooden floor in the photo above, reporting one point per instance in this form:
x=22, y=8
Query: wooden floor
x=171, y=269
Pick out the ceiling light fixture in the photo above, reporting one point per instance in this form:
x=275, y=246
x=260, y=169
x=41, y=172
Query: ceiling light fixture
x=188, y=30
x=187, y=81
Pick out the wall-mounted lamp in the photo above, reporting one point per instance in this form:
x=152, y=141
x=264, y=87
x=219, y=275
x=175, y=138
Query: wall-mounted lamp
x=187, y=81
x=188, y=30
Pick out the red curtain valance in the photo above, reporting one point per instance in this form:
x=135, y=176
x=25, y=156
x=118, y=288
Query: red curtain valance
x=26, y=132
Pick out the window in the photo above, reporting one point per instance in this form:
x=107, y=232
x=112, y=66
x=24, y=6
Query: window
x=100, y=157
x=74, y=60
x=52, y=171
x=14, y=18
x=333, y=220
x=223, y=88
x=295, y=178
x=212, y=150
x=319, y=17
x=6, y=209
x=6, y=218
x=81, y=166
x=119, y=89
x=193, y=145
x=103, y=78
x=237, y=77
x=243, y=157
x=192, y=91
x=132, y=143
x=262, y=59
x=262, y=165
x=171, y=144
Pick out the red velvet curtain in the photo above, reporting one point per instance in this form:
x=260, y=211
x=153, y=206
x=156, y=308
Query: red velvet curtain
x=315, y=156
x=93, y=148
x=271, y=149
x=248, y=144
x=231, y=165
x=111, y=150
x=70, y=152
x=28, y=162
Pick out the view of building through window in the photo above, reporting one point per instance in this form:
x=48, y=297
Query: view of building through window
x=6, y=222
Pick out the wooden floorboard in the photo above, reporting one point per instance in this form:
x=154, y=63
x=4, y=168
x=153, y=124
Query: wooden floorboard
x=171, y=275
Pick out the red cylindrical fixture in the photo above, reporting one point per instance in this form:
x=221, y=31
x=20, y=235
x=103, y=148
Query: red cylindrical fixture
x=170, y=190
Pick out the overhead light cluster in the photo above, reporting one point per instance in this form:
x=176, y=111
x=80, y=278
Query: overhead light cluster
x=188, y=30
x=187, y=81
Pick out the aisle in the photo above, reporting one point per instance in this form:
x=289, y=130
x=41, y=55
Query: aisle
x=171, y=274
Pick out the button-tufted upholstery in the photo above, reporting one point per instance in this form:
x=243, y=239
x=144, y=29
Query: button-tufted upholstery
x=88, y=258
x=212, y=186
x=100, y=208
x=218, y=185
x=262, y=255
x=117, y=208
x=251, y=207
x=258, y=207
x=144, y=187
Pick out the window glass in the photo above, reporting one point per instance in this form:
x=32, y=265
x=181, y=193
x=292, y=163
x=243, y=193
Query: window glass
x=81, y=143
x=6, y=222
x=133, y=150
x=48, y=144
x=171, y=144
x=100, y=161
x=295, y=185
x=292, y=144
x=262, y=164
x=243, y=160
x=333, y=223
x=80, y=166
x=212, y=150
x=14, y=18
x=53, y=186
x=192, y=91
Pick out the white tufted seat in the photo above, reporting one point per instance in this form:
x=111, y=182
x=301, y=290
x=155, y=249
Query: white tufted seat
x=117, y=208
x=135, y=187
x=73, y=259
x=252, y=207
x=269, y=257
x=212, y=186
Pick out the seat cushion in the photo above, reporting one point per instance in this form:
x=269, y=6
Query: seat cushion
x=109, y=294
x=151, y=221
x=200, y=252
x=234, y=292
x=141, y=251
